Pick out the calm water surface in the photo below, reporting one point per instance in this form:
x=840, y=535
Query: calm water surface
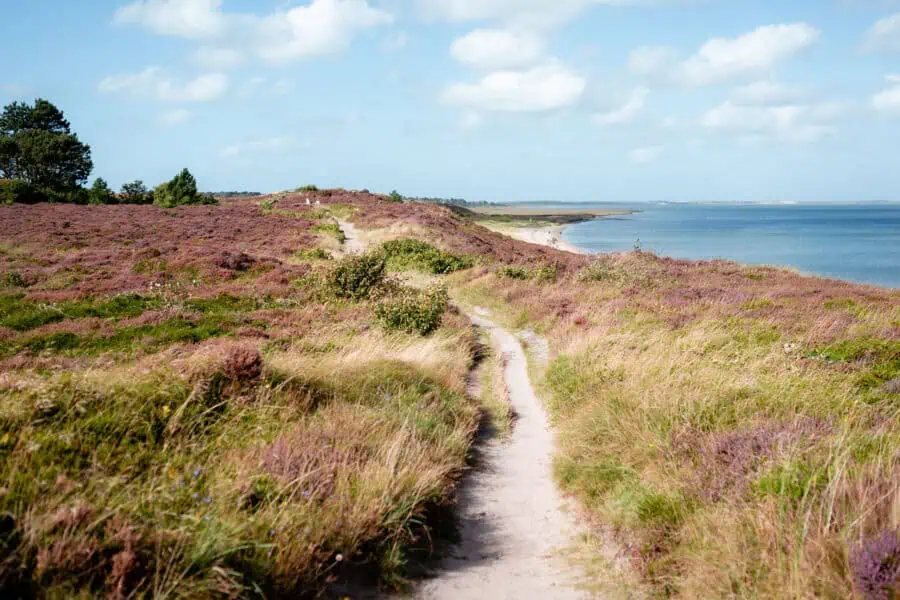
x=858, y=243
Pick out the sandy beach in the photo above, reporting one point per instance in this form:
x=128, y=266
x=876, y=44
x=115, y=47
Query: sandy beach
x=544, y=236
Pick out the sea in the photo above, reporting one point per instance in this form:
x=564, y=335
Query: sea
x=859, y=242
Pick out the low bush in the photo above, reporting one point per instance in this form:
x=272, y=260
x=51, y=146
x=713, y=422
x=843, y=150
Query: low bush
x=332, y=229
x=396, y=197
x=356, y=277
x=13, y=279
x=14, y=190
x=544, y=273
x=313, y=254
x=307, y=188
x=410, y=253
x=515, y=272
x=413, y=311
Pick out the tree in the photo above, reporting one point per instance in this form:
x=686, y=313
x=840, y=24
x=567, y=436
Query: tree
x=136, y=193
x=396, y=196
x=100, y=193
x=181, y=191
x=37, y=146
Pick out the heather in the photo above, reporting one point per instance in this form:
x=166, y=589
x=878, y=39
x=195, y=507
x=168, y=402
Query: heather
x=733, y=429
x=194, y=403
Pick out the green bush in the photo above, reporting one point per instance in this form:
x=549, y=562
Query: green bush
x=14, y=190
x=356, y=277
x=100, y=193
x=13, y=279
x=136, y=192
x=332, y=229
x=313, y=254
x=413, y=311
x=181, y=191
x=409, y=253
x=598, y=271
x=515, y=272
x=307, y=188
x=396, y=196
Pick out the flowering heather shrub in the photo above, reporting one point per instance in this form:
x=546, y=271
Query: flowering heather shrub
x=242, y=364
x=875, y=564
x=235, y=262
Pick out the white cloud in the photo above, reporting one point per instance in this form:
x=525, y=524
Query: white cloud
x=651, y=60
x=790, y=122
x=721, y=59
x=153, y=82
x=259, y=146
x=218, y=58
x=196, y=19
x=888, y=100
x=497, y=48
x=175, y=117
x=645, y=155
x=288, y=34
x=884, y=34
x=763, y=93
x=323, y=27
x=531, y=13
x=627, y=112
x=538, y=89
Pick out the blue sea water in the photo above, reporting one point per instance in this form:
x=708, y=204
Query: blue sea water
x=858, y=243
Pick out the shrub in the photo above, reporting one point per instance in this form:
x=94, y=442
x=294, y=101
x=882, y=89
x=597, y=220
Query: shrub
x=396, y=196
x=413, y=311
x=546, y=273
x=875, y=565
x=14, y=190
x=135, y=192
x=515, y=272
x=242, y=364
x=235, y=262
x=597, y=271
x=307, y=188
x=356, y=277
x=408, y=253
x=313, y=254
x=268, y=205
x=180, y=191
x=13, y=279
x=332, y=229
x=100, y=193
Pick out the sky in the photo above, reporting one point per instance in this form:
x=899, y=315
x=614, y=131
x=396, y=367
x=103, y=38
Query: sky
x=498, y=100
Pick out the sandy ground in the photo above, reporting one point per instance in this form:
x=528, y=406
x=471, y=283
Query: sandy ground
x=512, y=526
x=353, y=245
x=545, y=236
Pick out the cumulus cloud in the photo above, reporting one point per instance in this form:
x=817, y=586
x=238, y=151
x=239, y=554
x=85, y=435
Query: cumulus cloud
x=531, y=13
x=884, y=34
x=645, y=155
x=497, y=48
x=288, y=34
x=767, y=93
x=721, y=59
x=175, y=117
x=627, y=112
x=195, y=19
x=154, y=83
x=789, y=122
x=888, y=100
x=539, y=89
x=218, y=58
x=651, y=60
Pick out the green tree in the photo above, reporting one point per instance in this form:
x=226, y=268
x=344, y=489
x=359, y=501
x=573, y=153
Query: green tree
x=396, y=196
x=37, y=146
x=181, y=191
x=100, y=193
x=136, y=192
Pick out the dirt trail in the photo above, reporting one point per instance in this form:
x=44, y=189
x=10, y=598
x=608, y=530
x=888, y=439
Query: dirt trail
x=353, y=245
x=512, y=526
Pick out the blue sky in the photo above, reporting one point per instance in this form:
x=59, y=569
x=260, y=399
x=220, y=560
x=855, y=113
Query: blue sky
x=502, y=100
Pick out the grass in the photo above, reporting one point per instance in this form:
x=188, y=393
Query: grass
x=222, y=432
x=738, y=433
x=410, y=254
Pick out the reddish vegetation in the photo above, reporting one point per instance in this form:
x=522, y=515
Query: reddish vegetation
x=66, y=251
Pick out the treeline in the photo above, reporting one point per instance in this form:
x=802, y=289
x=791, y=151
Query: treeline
x=446, y=201
x=42, y=160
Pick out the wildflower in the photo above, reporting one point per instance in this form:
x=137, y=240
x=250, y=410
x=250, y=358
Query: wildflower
x=207, y=500
x=198, y=472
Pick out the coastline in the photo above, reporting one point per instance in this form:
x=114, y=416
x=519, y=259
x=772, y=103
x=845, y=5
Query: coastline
x=544, y=236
